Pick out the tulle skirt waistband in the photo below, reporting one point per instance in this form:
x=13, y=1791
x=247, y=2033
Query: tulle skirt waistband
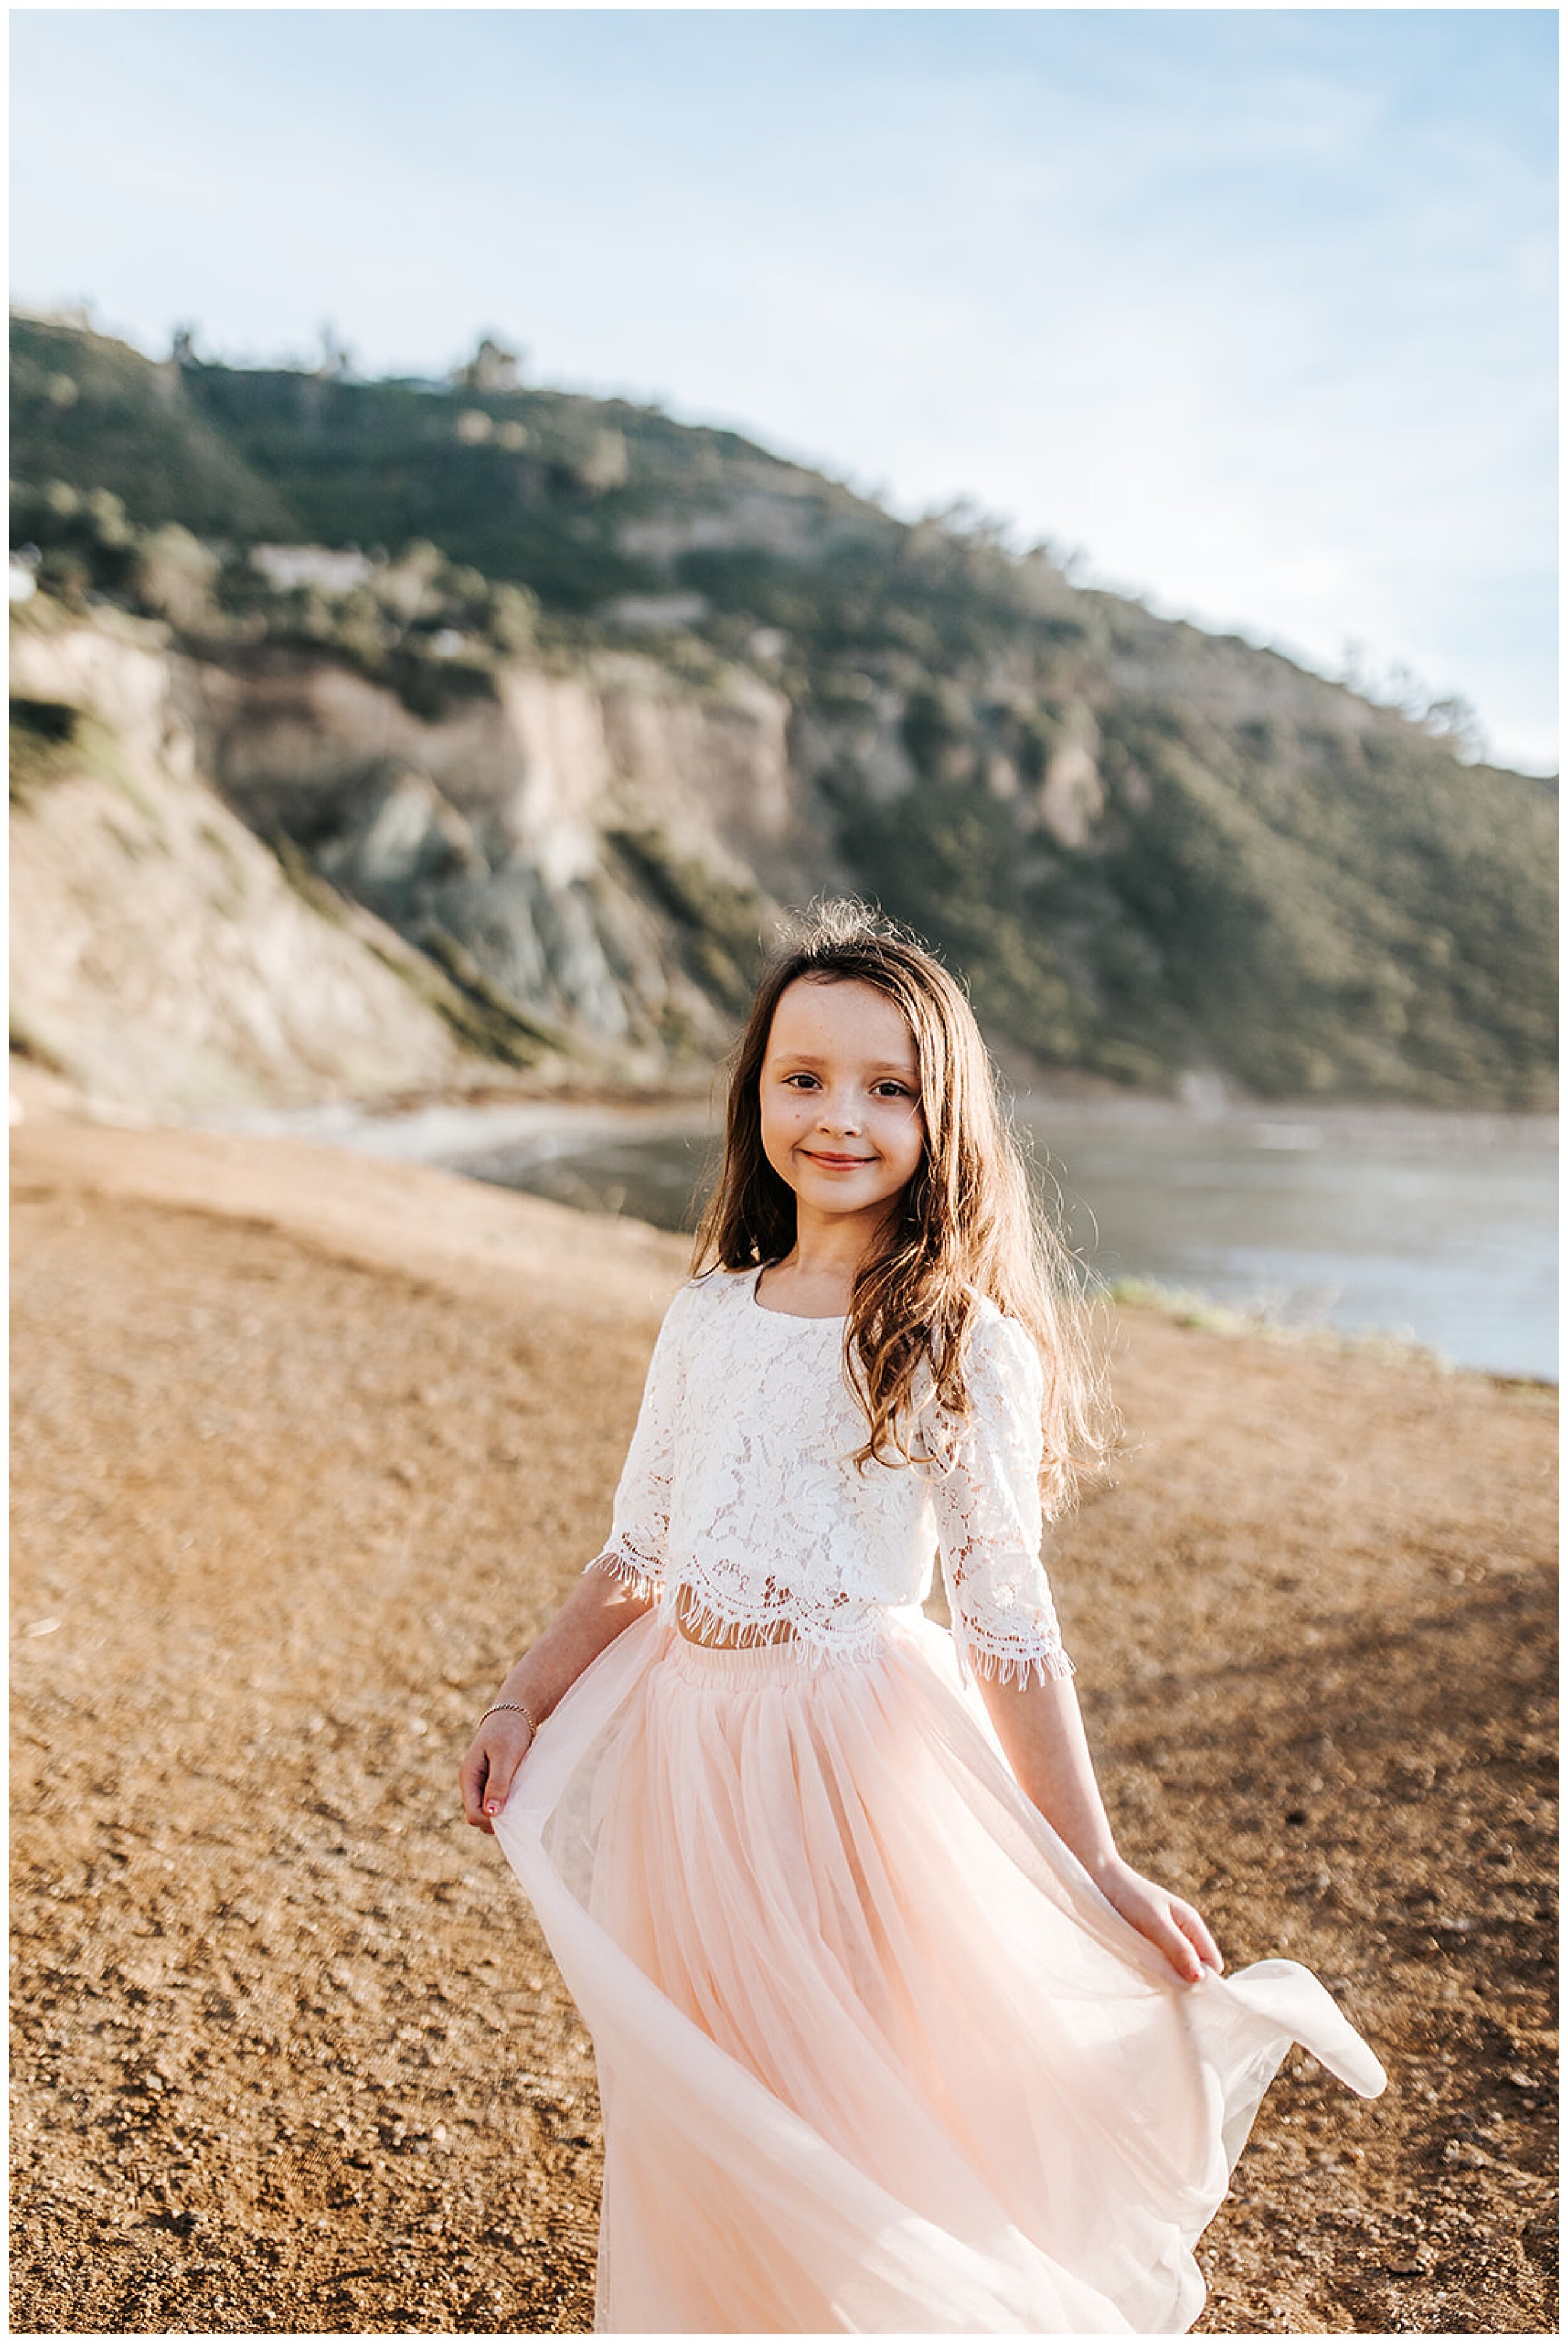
x=738, y=1668
x=757, y=1658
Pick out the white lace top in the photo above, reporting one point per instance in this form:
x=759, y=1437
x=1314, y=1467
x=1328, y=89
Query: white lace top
x=739, y=1487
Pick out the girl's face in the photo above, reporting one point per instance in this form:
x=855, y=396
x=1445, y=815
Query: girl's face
x=841, y=1096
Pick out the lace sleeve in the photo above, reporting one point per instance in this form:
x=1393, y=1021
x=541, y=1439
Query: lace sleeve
x=987, y=1515
x=640, y=1526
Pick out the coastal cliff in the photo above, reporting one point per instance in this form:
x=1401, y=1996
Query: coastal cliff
x=264, y=878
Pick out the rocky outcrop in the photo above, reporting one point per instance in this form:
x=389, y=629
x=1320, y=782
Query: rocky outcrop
x=161, y=955
x=602, y=847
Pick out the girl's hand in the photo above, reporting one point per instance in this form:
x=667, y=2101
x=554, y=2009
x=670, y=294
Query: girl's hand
x=490, y=1767
x=1173, y=1928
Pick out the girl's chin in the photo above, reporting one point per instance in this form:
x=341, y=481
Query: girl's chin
x=842, y=1192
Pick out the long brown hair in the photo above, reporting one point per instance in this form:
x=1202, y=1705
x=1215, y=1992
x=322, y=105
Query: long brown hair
x=964, y=1226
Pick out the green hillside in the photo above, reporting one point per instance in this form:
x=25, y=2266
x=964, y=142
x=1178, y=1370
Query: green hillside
x=1150, y=847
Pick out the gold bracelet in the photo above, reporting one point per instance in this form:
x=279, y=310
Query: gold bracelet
x=518, y=1705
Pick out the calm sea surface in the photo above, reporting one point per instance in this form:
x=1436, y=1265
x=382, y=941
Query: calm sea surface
x=1441, y=1228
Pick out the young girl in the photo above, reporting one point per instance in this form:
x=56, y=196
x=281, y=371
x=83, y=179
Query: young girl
x=890, y=2036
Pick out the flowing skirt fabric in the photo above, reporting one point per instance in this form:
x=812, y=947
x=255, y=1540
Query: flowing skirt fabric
x=875, y=2054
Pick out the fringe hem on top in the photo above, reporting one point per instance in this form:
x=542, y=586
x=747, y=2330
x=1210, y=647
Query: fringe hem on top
x=641, y=1577
x=977, y=1663
x=700, y=1619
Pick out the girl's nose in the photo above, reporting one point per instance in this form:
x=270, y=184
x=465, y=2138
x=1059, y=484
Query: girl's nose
x=840, y=1115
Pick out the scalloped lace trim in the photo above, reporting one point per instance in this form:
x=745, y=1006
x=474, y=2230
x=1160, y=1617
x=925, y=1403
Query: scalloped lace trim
x=858, y=1643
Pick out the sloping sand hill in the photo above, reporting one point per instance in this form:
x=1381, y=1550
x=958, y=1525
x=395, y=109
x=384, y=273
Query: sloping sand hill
x=306, y=1448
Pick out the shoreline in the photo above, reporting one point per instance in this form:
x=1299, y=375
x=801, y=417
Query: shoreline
x=453, y=1130
x=589, y=1109
x=594, y=1105
x=492, y=1138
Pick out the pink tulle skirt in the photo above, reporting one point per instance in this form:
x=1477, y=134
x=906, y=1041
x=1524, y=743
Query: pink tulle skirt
x=875, y=2054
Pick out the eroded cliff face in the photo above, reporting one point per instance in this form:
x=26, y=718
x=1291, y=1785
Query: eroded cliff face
x=603, y=848
x=265, y=878
x=161, y=956
x=257, y=872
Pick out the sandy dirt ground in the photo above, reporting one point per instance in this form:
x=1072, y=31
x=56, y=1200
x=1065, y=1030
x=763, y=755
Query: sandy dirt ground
x=306, y=1448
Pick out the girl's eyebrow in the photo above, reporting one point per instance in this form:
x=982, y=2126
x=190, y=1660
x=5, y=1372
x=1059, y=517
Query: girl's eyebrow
x=884, y=1066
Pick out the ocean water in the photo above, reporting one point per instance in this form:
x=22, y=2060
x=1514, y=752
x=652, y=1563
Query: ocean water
x=1441, y=1229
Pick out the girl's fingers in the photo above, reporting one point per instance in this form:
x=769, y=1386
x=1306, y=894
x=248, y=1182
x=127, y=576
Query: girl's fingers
x=1152, y=1914
x=1195, y=1929
x=1174, y=1929
x=503, y=1773
x=1163, y=1930
x=1182, y=1956
x=486, y=1777
x=472, y=1784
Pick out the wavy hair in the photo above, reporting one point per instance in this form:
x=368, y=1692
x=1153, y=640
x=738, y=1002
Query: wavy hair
x=964, y=1227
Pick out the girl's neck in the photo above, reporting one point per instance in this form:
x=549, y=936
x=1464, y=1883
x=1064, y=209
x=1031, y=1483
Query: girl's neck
x=816, y=1276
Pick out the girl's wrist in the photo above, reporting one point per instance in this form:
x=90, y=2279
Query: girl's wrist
x=512, y=1708
x=521, y=1693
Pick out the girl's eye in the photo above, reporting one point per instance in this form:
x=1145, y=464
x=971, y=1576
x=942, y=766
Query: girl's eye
x=890, y=1086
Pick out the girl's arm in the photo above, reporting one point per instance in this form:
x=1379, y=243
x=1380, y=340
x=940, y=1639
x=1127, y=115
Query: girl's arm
x=1041, y=1734
x=588, y=1623
x=618, y=1587
x=1005, y=1631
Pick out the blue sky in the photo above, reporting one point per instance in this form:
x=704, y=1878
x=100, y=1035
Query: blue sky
x=1255, y=307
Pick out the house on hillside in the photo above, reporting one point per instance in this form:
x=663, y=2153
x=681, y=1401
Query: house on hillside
x=288, y=567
